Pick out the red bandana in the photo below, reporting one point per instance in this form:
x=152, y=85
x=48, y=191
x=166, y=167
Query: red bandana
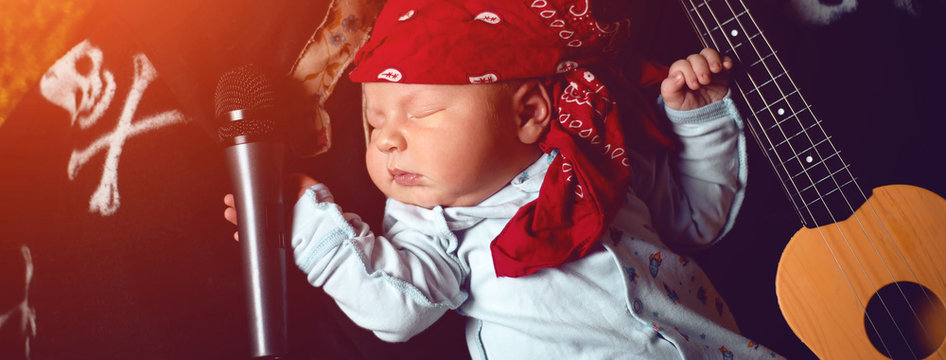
x=484, y=41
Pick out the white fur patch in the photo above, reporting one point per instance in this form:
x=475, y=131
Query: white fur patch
x=814, y=12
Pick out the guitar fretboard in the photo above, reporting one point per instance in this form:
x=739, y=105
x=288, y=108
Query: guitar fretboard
x=819, y=183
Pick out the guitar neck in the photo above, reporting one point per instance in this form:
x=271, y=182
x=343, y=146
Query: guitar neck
x=817, y=181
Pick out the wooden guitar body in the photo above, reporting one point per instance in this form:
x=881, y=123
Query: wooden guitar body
x=828, y=275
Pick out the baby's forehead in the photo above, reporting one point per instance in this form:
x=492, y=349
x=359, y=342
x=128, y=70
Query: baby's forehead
x=408, y=92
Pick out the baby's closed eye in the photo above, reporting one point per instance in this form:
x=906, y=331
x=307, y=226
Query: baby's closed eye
x=425, y=112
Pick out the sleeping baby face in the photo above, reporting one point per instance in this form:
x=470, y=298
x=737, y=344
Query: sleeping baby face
x=447, y=145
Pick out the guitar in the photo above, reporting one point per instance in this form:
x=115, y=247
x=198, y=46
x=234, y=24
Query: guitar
x=861, y=279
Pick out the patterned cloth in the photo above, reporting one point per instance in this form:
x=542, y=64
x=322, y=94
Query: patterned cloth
x=324, y=59
x=470, y=42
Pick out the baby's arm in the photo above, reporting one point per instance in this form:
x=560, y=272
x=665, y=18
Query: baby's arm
x=394, y=287
x=698, y=189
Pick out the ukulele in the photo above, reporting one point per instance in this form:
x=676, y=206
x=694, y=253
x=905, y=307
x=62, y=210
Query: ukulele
x=861, y=279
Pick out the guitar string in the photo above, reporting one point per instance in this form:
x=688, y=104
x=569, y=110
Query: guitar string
x=860, y=191
x=879, y=221
x=843, y=195
x=768, y=108
x=855, y=183
x=853, y=180
x=777, y=155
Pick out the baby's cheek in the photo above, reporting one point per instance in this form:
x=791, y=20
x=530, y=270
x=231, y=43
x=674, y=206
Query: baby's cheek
x=376, y=170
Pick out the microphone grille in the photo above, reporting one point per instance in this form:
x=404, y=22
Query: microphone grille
x=245, y=88
x=254, y=127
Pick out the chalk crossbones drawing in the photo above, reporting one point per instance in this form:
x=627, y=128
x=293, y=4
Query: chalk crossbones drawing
x=27, y=312
x=80, y=84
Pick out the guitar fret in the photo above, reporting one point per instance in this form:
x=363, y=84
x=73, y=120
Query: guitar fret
x=736, y=35
x=829, y=176
x=810, y=182
x=809, y=167
x=733, y=46
x=836, y=189
x=780, y=95
x=770, y=54
x=824, y=162
x=766, y=68
x=794, y=115
x=768, y=108
x=719, y=27
x=772, y=80
x=724, y=8
x=737, y=5
x=805, y=132
x=812, y=163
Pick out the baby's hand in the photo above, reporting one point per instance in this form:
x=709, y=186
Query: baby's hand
x=296, y=184
x=691, y=82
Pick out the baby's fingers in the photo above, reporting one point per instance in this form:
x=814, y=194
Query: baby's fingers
x=701, y=71
x=683, y=70
x=672, y=85
x=230, y=213
x=713, y=60
x=716, y=62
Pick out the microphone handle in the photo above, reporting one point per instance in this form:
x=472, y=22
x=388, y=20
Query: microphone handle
x=256, y=170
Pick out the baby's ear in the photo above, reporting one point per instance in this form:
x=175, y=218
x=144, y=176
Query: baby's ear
x=534, y=110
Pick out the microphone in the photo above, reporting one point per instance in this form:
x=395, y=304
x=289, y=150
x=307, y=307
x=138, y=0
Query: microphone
x=250, y=130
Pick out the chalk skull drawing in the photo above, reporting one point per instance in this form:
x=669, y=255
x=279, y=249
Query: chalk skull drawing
x=80, y=84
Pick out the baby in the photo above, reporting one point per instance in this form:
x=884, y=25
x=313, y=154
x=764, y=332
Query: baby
x=529, y=189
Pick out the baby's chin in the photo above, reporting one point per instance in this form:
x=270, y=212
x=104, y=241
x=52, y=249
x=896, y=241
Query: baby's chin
x=408, y=196
x=419, y=197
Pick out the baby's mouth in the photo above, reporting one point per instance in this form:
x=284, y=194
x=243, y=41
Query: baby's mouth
x=403, y=177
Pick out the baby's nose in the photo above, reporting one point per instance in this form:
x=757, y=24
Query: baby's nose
x=389, y=140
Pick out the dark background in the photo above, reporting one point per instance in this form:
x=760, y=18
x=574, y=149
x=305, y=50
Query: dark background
x=160, y=279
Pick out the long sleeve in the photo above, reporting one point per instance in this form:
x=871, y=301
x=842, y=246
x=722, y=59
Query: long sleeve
x=395, y=286
x=698, y=189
